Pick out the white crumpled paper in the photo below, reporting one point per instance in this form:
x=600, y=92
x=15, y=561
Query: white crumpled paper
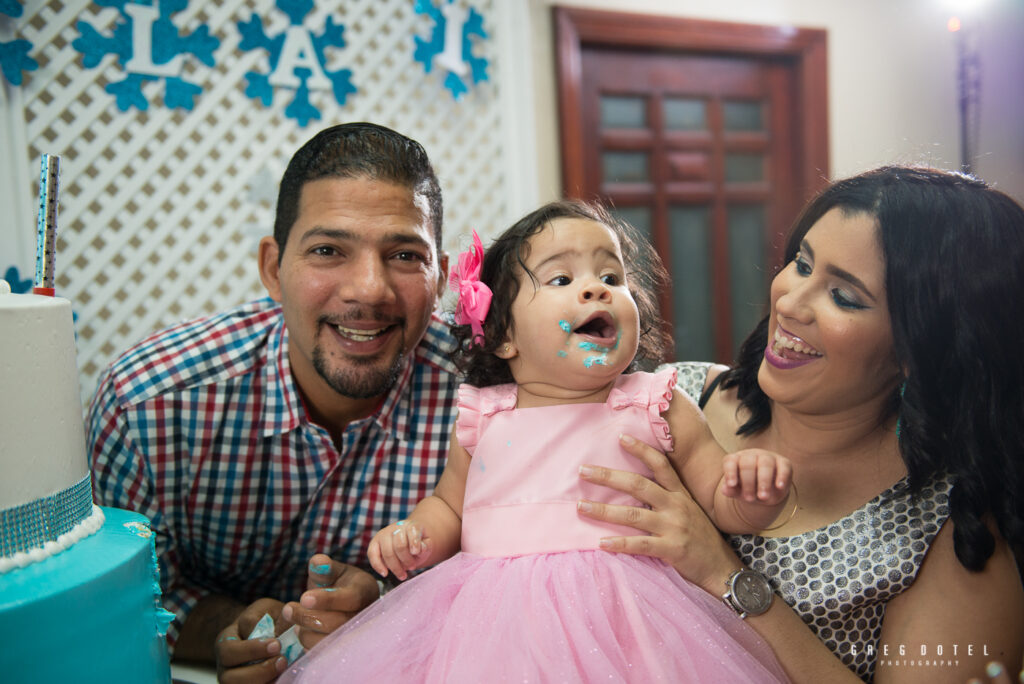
x=291, y=649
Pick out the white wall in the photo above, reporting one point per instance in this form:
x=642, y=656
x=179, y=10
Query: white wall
x=161, y=210
x=141, y=247
x=891, y=73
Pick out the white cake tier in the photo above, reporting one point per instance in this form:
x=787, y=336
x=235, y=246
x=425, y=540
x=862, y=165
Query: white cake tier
x=42, y=438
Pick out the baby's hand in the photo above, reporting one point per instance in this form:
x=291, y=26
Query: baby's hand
x=757, y=475
x=399, y=547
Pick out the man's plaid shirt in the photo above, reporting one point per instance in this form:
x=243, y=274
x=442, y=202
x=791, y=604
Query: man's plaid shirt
x=201, y=428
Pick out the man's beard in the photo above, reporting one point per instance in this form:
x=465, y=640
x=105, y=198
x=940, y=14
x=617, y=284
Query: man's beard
x=361, y=378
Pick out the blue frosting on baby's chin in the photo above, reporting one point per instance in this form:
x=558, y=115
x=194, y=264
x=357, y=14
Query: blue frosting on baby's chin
x=590, y=346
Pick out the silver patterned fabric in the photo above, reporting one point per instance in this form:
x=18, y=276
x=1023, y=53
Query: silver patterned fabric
x=839, y=578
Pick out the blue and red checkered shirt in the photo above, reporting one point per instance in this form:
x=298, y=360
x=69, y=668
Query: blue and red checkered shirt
x=201, y=428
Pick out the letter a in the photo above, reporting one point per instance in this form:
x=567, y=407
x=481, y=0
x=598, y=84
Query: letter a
x=298, y=51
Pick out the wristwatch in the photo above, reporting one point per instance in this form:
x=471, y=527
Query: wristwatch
x=748, y=593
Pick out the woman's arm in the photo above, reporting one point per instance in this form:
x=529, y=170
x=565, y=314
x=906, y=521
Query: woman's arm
x=973, y=617
x=433, y=530
x=683, y=536
x=980, y=614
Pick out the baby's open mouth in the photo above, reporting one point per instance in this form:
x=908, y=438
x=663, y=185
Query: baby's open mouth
x=598, y=327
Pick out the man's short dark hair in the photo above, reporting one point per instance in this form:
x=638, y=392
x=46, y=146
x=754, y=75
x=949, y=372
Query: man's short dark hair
x=357, y=150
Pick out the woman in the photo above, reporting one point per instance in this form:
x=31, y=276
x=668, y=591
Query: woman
x=890, y=370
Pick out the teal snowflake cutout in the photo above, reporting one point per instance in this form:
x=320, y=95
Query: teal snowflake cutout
x=13, y=278
x=14, y=57
x=450, y=45
x=296, y=61
x=14, y=60
x=148, y=47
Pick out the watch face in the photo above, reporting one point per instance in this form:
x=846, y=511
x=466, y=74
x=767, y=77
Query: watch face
x=752, y=592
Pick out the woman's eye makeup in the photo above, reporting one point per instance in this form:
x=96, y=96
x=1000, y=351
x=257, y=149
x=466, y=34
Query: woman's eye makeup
x=845, y=300
x=802, y=265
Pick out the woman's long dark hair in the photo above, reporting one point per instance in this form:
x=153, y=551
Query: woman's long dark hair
x=954, y=278
x=504, y=261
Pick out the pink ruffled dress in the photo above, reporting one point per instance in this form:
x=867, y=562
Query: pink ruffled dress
x=531, y=598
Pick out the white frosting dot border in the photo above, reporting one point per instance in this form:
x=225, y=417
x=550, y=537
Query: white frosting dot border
x=87, y=527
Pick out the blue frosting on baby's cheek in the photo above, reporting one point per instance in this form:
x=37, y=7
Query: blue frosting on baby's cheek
x=564, y=325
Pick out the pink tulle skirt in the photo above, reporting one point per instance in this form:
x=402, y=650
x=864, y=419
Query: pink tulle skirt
x=578, y=616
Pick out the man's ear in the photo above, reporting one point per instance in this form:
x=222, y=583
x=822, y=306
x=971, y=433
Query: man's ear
x=442, y=277
x=270, y=267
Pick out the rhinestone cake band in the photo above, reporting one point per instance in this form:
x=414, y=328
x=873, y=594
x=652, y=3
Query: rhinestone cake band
x=30, y=526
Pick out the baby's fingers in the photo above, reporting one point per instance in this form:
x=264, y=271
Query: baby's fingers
x=783, y=473
x=396, y=550
x=747, y=466
x=410, y=546
x=373, y=553
x=731, y=475
x=414, y=535
x=765, y=478
x=774, y=475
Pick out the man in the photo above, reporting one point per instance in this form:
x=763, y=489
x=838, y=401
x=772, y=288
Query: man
x=298, y=424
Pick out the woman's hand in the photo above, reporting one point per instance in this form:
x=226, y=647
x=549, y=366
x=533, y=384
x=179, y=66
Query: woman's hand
x=680, y=532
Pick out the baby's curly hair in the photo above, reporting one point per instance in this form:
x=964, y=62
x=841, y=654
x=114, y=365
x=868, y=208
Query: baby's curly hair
x=505, y=260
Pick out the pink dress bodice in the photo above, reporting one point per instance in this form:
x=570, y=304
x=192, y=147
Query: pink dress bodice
x=531, y=598
x=523, y=482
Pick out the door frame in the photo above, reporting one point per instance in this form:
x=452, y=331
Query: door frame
x=805, y=47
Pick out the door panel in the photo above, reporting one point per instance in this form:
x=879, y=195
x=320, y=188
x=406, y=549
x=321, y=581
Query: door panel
x=700, y=148
x=680, y=132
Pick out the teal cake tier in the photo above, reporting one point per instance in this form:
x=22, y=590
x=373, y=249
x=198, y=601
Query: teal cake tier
x=88, y=614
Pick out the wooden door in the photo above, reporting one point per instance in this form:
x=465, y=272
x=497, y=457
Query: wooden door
x=709, y=150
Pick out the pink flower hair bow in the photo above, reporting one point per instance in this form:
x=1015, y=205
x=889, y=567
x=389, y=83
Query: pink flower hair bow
x=474, y=296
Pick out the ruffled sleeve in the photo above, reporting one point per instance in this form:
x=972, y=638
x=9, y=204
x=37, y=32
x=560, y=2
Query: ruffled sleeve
x=650, y=391
x=476, y=404
x=662, y=385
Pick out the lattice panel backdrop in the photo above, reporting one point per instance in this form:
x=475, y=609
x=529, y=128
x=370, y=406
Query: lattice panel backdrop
x=161, y=209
